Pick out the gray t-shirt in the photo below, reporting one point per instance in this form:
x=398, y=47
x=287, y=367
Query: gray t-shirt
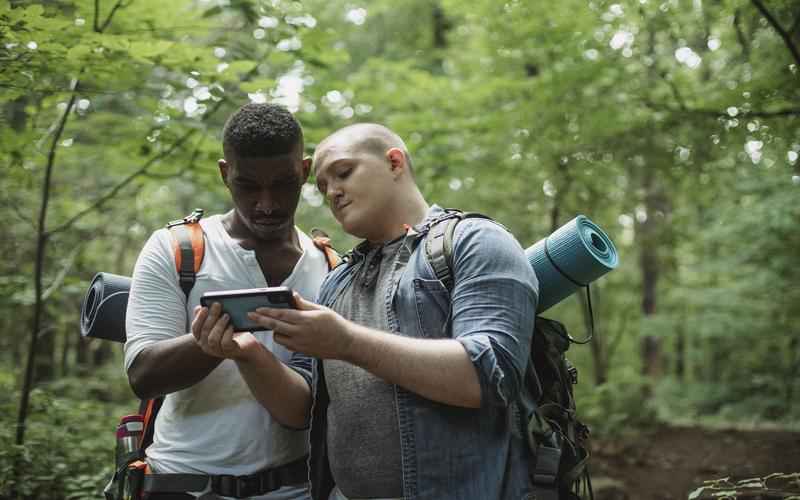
x=363, y=433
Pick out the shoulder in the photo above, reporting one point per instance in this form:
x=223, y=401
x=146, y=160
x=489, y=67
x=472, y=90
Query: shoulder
x=483, y=233
x=483, y=247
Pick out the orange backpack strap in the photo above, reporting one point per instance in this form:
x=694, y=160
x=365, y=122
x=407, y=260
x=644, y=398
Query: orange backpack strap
x=322, y=242
x=189, y=247
x=148, y=409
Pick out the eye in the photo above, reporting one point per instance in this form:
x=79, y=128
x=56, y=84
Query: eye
x=344, y=173
x=246, y=186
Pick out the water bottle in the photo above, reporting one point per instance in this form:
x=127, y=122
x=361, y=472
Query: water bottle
x=129, y=432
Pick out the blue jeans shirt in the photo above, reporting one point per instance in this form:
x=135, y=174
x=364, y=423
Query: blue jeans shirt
x=451, y=452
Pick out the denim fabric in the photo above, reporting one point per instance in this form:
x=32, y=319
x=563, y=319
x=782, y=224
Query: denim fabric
x=452, y=453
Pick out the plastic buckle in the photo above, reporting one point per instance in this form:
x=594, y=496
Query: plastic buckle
x=192, y=218
x=573, y=374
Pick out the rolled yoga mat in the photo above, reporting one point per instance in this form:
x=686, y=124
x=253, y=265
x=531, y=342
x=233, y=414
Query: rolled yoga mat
x=103, y=307
x=573, y=256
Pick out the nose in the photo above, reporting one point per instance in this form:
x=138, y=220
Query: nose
x=266, y=203
x=332, y=193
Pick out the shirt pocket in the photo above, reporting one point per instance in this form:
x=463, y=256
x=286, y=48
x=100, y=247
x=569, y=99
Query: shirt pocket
x=432, y=302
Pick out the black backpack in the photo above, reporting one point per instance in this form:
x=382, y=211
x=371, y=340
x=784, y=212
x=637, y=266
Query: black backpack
x=557, y=439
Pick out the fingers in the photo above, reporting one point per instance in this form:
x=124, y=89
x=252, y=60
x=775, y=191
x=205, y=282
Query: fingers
x=303, y=304
x=277, y=325
x=200, y=315
x=228, y=345
x=293, y=316
x=210, y=327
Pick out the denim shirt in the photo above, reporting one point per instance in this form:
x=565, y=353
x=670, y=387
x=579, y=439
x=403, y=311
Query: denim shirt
x=451, y=452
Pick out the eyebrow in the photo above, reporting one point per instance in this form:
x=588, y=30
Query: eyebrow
x=335, y=164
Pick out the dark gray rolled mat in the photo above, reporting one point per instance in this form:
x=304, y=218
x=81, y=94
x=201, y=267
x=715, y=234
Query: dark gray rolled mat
x=103, y=307
x=573, y=256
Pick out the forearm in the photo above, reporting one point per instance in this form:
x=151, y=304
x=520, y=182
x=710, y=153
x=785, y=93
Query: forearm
x=437, y=369
x=279, y=389
x=169, y=366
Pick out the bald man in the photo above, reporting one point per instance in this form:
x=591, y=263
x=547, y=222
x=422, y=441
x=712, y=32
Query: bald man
x=410, y=387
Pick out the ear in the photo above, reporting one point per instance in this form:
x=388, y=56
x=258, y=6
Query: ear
x=306, y=167
x=224, y=169
x=397, y=160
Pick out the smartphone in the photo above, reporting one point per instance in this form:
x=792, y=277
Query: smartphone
x=237, y=303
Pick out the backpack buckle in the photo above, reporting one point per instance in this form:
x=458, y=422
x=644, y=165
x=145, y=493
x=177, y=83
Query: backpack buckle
x=573, y=374
x=236, y=486
x=192, y=218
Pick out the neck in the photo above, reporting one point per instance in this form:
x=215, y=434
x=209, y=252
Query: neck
x=409, y=211
x=239, y=231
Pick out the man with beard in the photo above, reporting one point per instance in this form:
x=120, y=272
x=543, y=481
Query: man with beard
x=210, y=427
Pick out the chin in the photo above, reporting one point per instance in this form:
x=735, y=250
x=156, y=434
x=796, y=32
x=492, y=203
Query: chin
x=272, y=231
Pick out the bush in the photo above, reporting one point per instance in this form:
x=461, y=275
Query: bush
x=68, y=451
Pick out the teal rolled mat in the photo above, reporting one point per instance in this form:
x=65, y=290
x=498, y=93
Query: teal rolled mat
x=573, y=256
x=103, y=307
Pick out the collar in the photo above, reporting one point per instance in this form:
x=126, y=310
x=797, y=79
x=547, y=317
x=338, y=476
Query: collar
x=412, y=235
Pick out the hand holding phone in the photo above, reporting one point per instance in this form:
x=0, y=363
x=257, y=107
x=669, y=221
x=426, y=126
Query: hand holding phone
x=237, y=303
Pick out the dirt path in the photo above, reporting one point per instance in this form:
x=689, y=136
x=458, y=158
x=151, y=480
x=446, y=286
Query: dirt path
x=670, y=462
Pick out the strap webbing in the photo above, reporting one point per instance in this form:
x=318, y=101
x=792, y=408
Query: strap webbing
x=323, y=243
x=293, y=473
x=439, y=243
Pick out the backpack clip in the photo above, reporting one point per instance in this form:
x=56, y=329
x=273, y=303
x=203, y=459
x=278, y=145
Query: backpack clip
x=192, y=218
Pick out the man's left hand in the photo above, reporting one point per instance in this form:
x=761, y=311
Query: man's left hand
x=312, y=329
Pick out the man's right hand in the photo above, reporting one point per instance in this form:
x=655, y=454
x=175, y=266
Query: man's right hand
x=215, y=336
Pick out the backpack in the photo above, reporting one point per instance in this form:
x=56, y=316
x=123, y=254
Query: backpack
x=557, y=440
x=188, y=244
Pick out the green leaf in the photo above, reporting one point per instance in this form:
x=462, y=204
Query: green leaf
x=150, y=48
x=262, y=84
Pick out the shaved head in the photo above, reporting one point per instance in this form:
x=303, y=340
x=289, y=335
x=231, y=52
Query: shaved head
x=367, y=137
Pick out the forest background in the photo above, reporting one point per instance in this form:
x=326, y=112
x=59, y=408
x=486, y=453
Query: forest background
x=672, y=124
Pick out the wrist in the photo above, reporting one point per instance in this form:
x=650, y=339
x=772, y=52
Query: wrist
x=253, y=354
x=347, y=346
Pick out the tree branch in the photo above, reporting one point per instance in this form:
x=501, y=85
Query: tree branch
x=142, y=170
x=737, y=25
x=787, y=37
x=96, y=20
x=116, y=189
x=99, y=28
x=59, y=279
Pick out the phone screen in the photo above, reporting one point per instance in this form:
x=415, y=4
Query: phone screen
x=237, y=303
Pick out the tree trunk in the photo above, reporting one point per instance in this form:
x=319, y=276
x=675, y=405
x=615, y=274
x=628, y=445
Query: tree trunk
x=44, y=360
x=66, y=347
x=648, y=262
x=680, y=354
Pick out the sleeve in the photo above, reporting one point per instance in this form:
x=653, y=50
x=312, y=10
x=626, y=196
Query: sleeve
x=300, y=362
x=493, y=307
x=156, y=304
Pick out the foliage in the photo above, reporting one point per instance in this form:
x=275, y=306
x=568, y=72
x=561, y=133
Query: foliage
x=69, y=450
x=672, y=124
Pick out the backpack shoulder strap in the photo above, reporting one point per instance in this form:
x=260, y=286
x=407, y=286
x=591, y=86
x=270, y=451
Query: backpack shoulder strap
x=439, y=243
x=148, y=409
x=189, y=247
x=323, y=243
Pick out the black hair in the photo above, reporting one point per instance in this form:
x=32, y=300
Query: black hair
x=261, y=130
